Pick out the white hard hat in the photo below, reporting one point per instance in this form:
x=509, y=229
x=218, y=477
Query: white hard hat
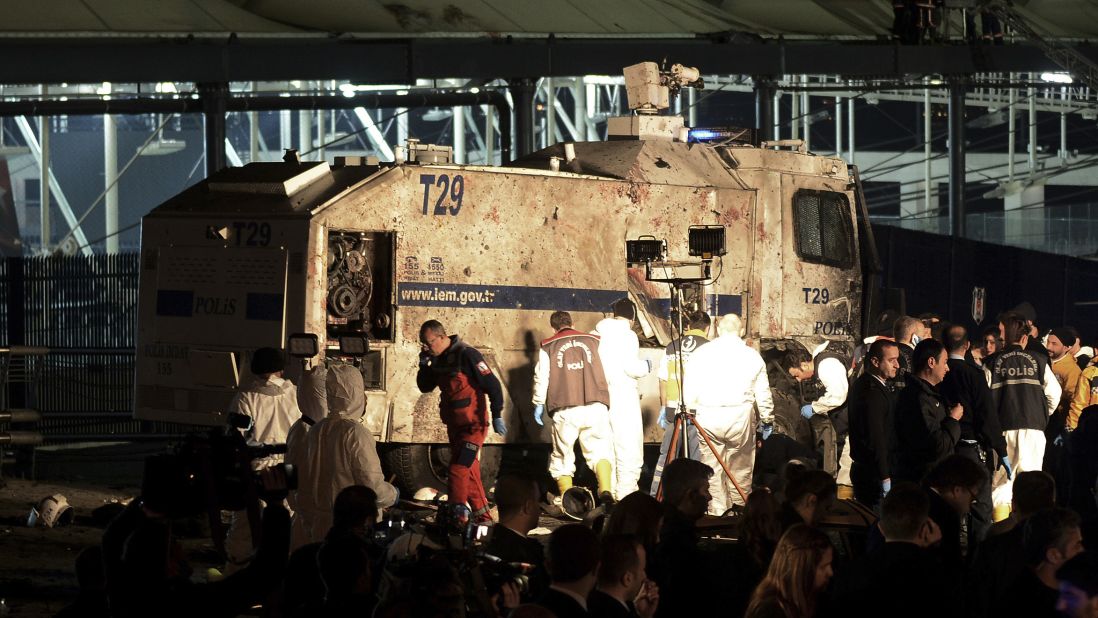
x=51, y=511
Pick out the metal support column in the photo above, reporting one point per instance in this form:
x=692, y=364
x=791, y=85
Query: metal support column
x=1032, y=94
x=1012, y=129
x=253, y=133
x=285, y=132
x=764, y=107
x=1064, y=127
x=839, y=127
x=579, y=104
x=214, y=97
x=550, y=136
x=44, y=178
x=806, y=115
x=776, y=128
x=110, y=177
x=402, y=126
x=321, y=133
x=928, y=183
x=304, y=131
x=850, y=130
x=458, y=129
x=522, y=91
x=957, y=158
x=692, y=110
x=489, y=135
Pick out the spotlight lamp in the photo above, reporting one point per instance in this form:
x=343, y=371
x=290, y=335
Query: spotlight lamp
x=706, y=241
x=645, y=249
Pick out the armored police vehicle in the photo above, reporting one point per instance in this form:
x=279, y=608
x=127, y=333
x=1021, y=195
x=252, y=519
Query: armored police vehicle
x=255, y=254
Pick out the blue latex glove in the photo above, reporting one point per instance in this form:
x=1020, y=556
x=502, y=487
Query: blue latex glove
x=886, y=486
x=499, y=426
x=539, y=411
x=1009, y=468
x=806, y=410
x=767, y=429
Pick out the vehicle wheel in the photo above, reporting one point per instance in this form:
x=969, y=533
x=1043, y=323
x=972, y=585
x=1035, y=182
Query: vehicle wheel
x=427, y=465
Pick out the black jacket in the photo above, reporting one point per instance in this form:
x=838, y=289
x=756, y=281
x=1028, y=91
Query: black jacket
x=965, y=384
x=605, y=606
x=996, y=564
x=510, y=546
x=896, y=579
x=923, y=433
x=949, y=522
x=562, y=605
x=1018, y=389
x=870, y=404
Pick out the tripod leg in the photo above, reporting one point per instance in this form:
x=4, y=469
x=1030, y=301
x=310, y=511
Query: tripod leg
x=712, y=447
x=676, y=433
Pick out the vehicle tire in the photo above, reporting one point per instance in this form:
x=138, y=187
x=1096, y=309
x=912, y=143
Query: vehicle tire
x=427, y=465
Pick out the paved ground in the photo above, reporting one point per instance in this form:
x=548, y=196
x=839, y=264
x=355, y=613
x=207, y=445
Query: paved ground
x=36, y=564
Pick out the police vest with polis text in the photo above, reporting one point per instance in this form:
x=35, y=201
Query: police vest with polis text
x=1017, y=389
x=576, y=376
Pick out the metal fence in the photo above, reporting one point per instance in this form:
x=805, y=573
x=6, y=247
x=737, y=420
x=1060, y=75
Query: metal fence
x=82, y=310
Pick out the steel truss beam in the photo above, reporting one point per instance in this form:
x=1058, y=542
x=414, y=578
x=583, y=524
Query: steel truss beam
x=404, y=61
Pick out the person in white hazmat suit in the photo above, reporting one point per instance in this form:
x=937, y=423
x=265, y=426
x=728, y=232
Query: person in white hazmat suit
x=312, y=399
x=619, y=350
x=723, y=381
x=271, y=402
x=341, y=452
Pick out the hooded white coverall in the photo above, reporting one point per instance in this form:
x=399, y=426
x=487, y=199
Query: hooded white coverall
x=341, y=452
x=723, y=378
x=619, y=351
x=272, y=405
x=312, y=399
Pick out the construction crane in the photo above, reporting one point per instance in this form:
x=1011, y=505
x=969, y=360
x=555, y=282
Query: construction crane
x=1066, y=56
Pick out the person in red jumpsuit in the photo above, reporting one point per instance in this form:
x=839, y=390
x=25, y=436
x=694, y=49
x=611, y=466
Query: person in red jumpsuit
x=467, y=385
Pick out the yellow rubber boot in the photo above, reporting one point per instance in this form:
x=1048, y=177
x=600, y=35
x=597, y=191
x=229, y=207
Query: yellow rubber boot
x=564, y=483
x=603, y=472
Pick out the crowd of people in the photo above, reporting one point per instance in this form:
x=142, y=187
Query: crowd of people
x=977, y=456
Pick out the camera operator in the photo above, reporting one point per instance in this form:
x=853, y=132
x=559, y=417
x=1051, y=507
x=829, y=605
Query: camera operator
x=271, y=403
x=145, y=571
x=517, y=499
x=341, y=452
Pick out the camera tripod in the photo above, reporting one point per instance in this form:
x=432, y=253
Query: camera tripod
x=684, y=416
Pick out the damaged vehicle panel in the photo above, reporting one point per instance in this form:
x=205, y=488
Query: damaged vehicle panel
x=255, y=254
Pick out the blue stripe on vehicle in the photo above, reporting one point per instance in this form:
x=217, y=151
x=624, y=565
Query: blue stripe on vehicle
x=532, y=298
x=175, y=303
x=263, y=307
x=504, y=297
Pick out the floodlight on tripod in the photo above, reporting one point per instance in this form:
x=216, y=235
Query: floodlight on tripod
x=645, y=249
x=706, y=241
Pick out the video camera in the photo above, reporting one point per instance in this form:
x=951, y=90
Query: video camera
x=415, y=540
x=213, y=469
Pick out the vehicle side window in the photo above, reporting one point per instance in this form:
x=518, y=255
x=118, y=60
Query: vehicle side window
x=821, y=225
